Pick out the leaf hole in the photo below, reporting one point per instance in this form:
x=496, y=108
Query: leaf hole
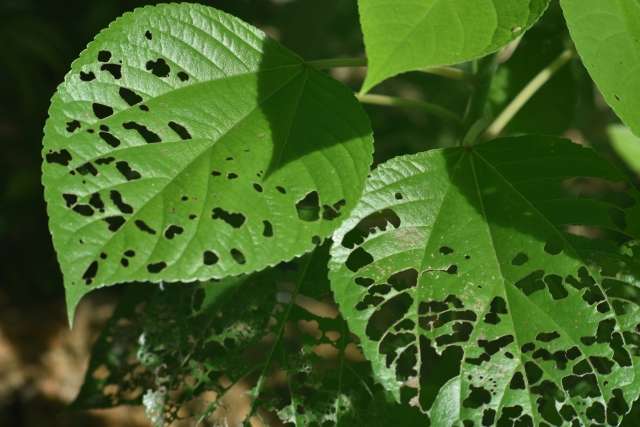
x=103, y=255
x=130, y=253
x=192, y=217
x=126, y=171
x=116, y=198
x=332, y=212
x=86, y=169
x=148, y=35
x=70, y=199
x=104, y=56
x=157, y=267
x=258, y=187
x=159, y=68
x=96, y=201
x=308, y=208
x=114, y=69
x=398, y=196
x=172, y=231
x=236, y=220
x=180, y=130
x=87, y=77
x=404, y=279
x=102, y=111
x=498, y=306
x=129, y=96
x=84, y=210
x=453, y=269
x=268, y=229
x=149, y=136
x=520, y=259
x=72, y=126
x=358, y=259
x=124, y=262
x=216, y=173
x=478, y=397
x=183, y=76
x=232, y=175
x=62, y=158
x=445, y=250
x=517, y=381
x=109, y=139
x=142, y=226
x=547, y=336
x=316, y=240
x=281, y=190
x=554, y=244
x=238, y=256
x=210, y=258
x=114, y=223
x=90, y=273
x=143, y=107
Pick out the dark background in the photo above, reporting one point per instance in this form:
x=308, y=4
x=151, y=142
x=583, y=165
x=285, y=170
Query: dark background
x=42, y=363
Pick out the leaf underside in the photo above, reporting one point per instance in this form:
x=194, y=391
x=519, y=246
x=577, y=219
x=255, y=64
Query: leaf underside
x=185, y=144
x=265, y=341
x=607, y=37
x=470, y=298
x=405, y=35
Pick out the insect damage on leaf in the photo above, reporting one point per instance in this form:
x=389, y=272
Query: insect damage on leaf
x=210, y=115
x=476, y=301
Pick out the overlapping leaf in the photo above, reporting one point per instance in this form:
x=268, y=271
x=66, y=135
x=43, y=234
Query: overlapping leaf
x=626, y=145
x=404, y=35
x=455, y=272
x=607, y=36
x=292, y=354
x=185, y=144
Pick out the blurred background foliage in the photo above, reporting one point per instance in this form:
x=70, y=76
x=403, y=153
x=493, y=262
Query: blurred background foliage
x=42, y=363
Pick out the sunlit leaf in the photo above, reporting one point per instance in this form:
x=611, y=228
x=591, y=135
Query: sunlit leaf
x=185, y=144
x=607, y=36
x=626, y=144
x=404, y=35
x=457, y=274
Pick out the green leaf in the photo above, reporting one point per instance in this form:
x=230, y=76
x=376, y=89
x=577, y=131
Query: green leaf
x=626, y=145
x=607, y=36
x=185, y=144
x=551, y=109
x=402, y=35
x=267, y=337
x=456, y=274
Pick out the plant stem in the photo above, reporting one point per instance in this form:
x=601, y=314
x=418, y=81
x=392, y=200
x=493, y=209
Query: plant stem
x=455, y=74
x=323, y=64
x=477, y=102
x=449, y=72
x=434, y=109
x=526, y=93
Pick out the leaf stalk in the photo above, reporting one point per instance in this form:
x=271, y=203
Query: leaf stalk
x=434, y=109
x=526, y=93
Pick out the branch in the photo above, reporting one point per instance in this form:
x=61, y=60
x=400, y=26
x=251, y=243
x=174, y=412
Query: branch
x=526, y=93
x=434, y=109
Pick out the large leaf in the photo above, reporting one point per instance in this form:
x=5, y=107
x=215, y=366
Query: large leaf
x=185, y=144
x=607, y=36
x=266, y=336
x=404, y=35
x=456, y=275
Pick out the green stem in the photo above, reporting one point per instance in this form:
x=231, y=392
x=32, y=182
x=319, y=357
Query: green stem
x=455, y=74
x=480, y=94
x=323, y=64
x=434, y=109
x=449, y=72
x=526, y=93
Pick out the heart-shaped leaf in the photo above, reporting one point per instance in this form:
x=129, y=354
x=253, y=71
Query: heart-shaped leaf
x=405, y=35
x=465, y=291
x=185, y=144
x=607, y=37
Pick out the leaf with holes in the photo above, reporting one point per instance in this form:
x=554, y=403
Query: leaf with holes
x=405, y=35
x=607, y=37
x=185, y=144
x=267, y=337
x=456, y=272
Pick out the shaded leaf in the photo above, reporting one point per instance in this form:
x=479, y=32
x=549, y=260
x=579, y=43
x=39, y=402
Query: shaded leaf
x=456, y=274
x=195, y=133
x=607, y=36
x=401, y=35
x=626, y=145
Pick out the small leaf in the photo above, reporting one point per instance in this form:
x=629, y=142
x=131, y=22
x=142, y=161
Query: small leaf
x=401, y=35
x=607, y=37
x=209, y=129
x=626, y=145
x=475, y=294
